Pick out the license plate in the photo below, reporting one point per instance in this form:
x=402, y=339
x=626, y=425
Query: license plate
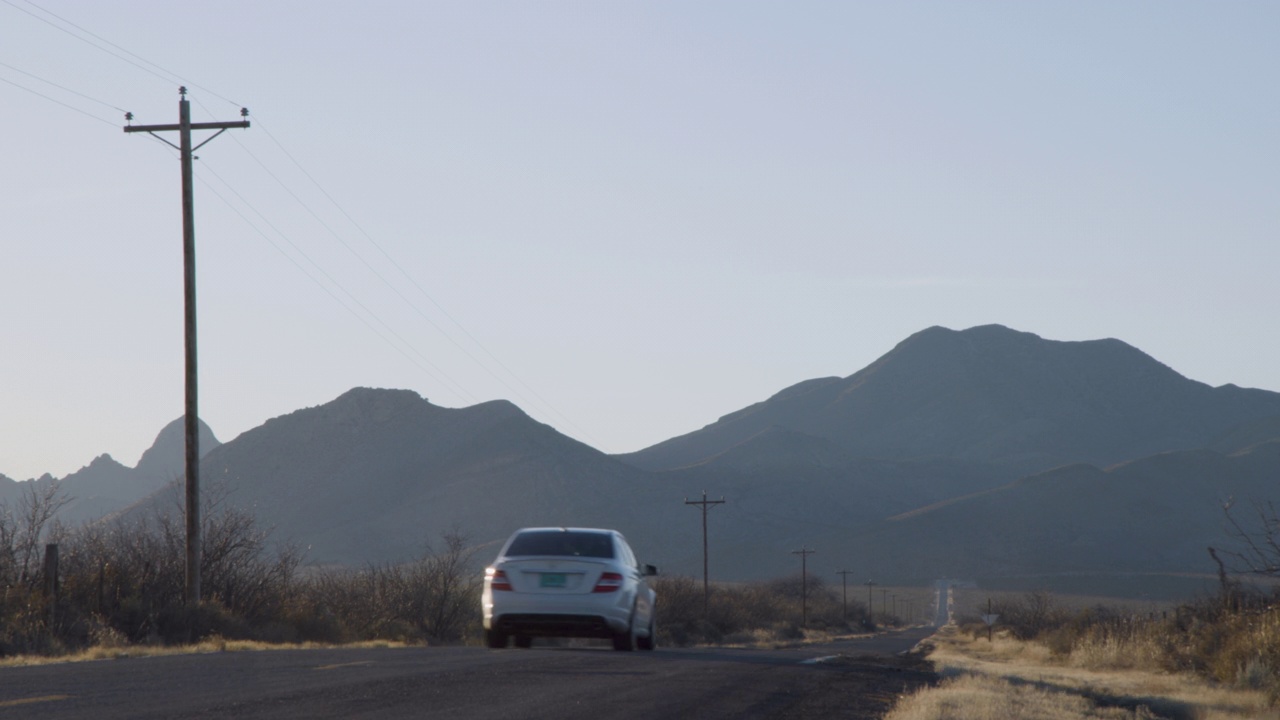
x=553, y=580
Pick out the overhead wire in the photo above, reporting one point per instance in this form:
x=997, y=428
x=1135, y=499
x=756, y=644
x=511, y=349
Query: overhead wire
x=172, y=76
x=543, y=401
x=320, y=284
x=56, y=101
x=82, y=39
x=443, y=377
x=449, y=383
x=61, y=87
x=142, y=64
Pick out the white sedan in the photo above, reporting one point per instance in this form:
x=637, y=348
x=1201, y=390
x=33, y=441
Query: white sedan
x=569, y=582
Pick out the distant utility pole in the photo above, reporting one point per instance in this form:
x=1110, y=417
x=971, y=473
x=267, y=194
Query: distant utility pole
x=706, y=505
x=804, y=583
x=184, y=148
x=844, y=591
x=871, y=611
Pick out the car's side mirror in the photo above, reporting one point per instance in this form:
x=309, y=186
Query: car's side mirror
x=650, y=571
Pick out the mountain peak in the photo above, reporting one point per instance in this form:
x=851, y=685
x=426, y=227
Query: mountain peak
x=166, y=458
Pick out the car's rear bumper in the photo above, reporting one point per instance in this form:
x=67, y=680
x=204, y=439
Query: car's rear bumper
x=557, y=625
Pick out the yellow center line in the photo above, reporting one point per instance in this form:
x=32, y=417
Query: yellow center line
x=342, y=665
x=32, y=700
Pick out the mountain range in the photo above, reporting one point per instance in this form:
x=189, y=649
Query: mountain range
x=986, y=453
x=106, y=486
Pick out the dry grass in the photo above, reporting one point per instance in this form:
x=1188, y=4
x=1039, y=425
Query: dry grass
x=1009, y=678
x=980, y=697
x=212, y=645
x=769, y=638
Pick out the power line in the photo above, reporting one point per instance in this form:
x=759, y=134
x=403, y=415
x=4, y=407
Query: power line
x=345, y=306
x=84, y=40
x=543, y=401
x=61, y=87
x=353, y=252
x=168, y=80
x=56, y=102
x=104, y=45
x=442, y=377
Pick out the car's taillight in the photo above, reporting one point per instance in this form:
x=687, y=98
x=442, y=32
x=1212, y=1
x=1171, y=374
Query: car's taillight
x=608, y=583
x=497, y=579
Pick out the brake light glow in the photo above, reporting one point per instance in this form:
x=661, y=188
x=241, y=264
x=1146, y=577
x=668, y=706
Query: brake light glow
x=497, y=579
x=608, y=582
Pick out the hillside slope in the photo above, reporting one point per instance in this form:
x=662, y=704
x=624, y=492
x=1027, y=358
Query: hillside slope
x=990, y=394
x=375, y=475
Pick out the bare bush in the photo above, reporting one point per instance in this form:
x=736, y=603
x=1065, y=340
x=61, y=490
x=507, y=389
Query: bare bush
x=764, y=611
x=1257, y=550
x=434, y=598
x=23, y=528
x=1029, y=616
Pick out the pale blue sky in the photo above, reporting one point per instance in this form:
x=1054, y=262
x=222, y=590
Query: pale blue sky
x=651, y=214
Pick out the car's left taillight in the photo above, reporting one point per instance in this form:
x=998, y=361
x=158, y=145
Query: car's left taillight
x=608, y=582
x=497, y=579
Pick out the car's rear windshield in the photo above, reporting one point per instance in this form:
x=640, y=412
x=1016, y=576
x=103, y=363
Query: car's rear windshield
x=562, y=542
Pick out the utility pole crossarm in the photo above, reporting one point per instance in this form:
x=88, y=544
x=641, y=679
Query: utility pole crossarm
x=193, y=126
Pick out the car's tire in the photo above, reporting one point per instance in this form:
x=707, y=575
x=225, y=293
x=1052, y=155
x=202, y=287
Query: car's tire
x=651, y=641
x=524, y=641
x=626, y=640
x=495, y=639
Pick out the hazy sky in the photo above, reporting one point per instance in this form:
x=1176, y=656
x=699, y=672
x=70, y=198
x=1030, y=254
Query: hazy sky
x=629, y=218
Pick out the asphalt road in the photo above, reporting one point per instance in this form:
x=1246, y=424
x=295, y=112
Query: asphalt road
x=851, y=678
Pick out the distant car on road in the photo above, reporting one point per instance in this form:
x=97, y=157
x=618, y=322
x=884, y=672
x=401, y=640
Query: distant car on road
x=569, y=582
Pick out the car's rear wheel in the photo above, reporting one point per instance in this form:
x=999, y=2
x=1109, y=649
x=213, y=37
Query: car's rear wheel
x=495, y=639
x=626, y=640
x=524, y=641
x=651, y=641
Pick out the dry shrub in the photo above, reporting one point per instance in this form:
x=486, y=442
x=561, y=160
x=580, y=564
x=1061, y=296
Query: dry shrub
x=755, y=613
x=1233, y=640
x=122, y=582
x=435, y=598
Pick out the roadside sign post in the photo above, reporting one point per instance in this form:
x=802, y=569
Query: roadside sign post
x=990, y=619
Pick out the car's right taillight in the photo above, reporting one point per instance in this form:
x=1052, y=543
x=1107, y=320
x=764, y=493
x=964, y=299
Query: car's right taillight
x=608, y=582
x=497, y=579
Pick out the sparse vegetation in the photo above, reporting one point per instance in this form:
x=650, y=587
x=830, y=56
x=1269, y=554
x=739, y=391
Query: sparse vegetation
x=1233, y=639
x=764, y=612
x=1212, y=659
x=120, y=586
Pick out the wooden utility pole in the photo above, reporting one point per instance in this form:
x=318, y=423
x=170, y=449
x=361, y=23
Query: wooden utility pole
x=192, y=417
x=844, y=591
x=804, y=554
x=706, y=505
x=871, y=611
